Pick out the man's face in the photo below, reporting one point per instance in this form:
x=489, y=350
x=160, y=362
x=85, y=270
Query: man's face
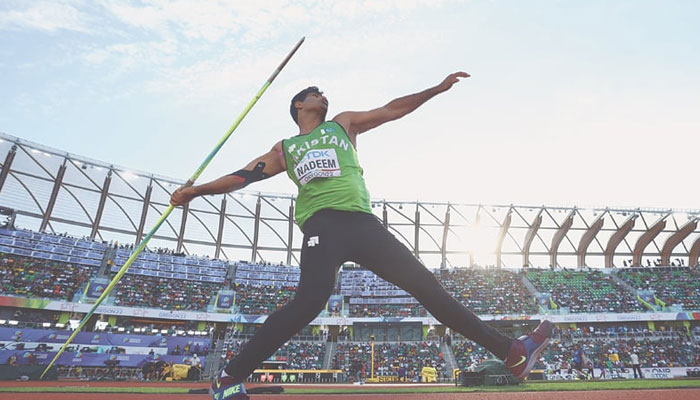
x=315, y=102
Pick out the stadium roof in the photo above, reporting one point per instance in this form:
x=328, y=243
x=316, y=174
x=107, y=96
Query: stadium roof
x=57, y=191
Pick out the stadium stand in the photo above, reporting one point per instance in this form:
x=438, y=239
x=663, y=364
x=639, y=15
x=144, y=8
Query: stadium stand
x=389, y=357
x=43, y=265
x=637, y=331
x=53, y=247
x=40, y=278
x=169, y=294
x=302, y=355
x=261, y=288
x=584, y=291
x=674, y=352
x=263, y=299
x=168, y=265
x=469, y=354
x=679, y=286
x=489, y=291
x=387, y=310
x=292, y=355
x=371, y=296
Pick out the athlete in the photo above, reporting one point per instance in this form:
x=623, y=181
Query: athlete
x=333, y=211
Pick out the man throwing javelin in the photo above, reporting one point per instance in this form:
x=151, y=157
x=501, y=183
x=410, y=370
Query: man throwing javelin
x=333, y=211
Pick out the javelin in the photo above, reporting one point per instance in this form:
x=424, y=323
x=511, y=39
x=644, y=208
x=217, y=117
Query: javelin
x=168, y=210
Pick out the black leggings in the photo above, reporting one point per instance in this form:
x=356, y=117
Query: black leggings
x=334, y=237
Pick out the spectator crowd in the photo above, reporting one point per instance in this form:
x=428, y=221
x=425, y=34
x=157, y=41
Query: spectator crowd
x=35, y=277
x=166, y=293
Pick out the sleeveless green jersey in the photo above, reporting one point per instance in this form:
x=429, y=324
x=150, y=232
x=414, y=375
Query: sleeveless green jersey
x=324, y=166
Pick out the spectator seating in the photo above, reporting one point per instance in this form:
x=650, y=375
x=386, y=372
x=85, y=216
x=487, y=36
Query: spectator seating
x=169, y=265
x=489, y=291
x=292, y=355
x=372, y=296
x=41, y=278
x=469, y=354
x=261, y=289
x=407, y=309
x=584, y=291
x=52, y=247
x=672, y=352
x=679, y=286
x=262, y=299
x=389, y=356
x=265, y=274
x=302, y=355
x=169, y=294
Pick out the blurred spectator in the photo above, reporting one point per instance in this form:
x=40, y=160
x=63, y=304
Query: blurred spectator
x=35, y=277
x=584, y=291
x=674, y=286
x=169, y=294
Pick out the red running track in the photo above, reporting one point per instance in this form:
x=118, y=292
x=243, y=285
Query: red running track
x=654, y=394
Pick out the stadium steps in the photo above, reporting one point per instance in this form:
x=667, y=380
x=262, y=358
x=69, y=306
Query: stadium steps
x=213, y=363
x=529, y=286
x=629, y=288
x=328, y=356
x=533, y=291
x=110, y=254
x=231, y=275
x=449, y=356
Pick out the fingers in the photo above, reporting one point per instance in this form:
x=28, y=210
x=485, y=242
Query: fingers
x=178, y=198
x=461, y=74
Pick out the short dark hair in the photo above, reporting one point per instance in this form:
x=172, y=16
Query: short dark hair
x=301, y=96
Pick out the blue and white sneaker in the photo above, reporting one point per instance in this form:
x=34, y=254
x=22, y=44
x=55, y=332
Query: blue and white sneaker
x=225, y=388
x=525, y=350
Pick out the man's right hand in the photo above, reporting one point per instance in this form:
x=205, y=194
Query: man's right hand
x=182, y=196
x=451, y=79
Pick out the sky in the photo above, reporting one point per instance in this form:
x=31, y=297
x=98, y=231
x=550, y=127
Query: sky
x=586, y=103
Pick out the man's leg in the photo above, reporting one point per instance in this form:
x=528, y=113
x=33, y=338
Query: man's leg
x=319, y=264
x=377, y=249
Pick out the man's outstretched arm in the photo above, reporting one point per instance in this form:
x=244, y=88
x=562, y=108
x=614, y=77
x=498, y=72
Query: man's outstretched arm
x=357, y=122
x=263, y=167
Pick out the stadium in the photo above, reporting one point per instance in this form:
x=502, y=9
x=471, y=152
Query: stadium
x=614, y=282
x=472, y=249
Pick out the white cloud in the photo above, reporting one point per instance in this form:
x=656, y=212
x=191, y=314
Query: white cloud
x=133, y=55
x=46, y=16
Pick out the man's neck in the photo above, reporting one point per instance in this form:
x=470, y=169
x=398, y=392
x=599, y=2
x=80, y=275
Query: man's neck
x=308, y=123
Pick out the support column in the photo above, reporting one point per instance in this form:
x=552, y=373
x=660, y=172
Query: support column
x=7, y=165
x=559, y=236
x=183, y=223
x=530, y=236
x=290, y=232
x=385, y=217
x=416, y=233
x=617, y=238
x=445, y=229
x=144, y=212
x=502, y=236
x=645, y=239
x=220, y=232
x=256, y=230
x=675, y=239
x=54, y=195
x=694, y=256
x=587, y=239
x=101, y=205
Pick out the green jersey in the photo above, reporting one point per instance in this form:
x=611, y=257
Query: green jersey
x=324, y=166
